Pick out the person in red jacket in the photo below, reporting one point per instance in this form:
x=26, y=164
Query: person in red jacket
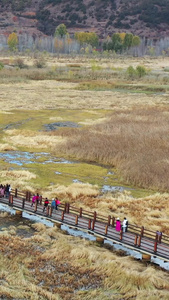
x=46, y=203
x=37, y=198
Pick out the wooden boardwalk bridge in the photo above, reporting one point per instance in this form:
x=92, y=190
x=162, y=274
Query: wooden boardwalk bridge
x=140, y=239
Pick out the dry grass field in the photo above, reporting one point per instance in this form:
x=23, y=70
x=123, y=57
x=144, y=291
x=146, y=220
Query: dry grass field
x=50, y=265
x=122, y=127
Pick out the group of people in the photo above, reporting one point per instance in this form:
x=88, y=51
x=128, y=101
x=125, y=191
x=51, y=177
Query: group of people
x=122, y=225
x=5, y=190
x=54, y=204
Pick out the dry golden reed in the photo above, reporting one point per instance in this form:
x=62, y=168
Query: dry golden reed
x=135, y=142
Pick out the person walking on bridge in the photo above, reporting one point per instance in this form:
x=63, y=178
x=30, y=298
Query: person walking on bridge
x=118, y=225
x=57, y=202
x=53, y=204
x=37, y=198
x=33, y=200
x=46, y=203
x=125, y=225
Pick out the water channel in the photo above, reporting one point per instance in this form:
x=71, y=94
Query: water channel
x=23, y=160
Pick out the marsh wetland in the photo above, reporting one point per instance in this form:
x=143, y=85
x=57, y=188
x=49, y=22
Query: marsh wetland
x=87, y=131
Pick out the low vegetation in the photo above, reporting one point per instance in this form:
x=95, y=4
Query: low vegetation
x=51, y=265
x=122, y=119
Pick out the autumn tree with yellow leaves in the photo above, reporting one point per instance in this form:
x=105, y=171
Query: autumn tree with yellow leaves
x=89, y=38
x=12, y=41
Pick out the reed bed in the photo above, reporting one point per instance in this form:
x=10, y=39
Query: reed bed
x=54, y=266
x=135, y=142
x=134, y=139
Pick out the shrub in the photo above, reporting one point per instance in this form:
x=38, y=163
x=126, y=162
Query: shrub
x=131, y=72
x=141, y=71
x=40, y=63
x=20, y=63
x=1, y=65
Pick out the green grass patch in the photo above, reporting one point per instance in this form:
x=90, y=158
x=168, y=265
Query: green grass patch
x=75, y=171
x=117, y=86
x=35, y=120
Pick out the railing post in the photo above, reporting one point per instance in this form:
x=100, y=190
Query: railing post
x=106, y=229
x=94, y=216
x=40, y=200
x=76, y=221
x=50, y=211
x=63, y=215
x=65, y=208
x=121, y=234
x=11, y=196
x=9, y=199
x=155, y=246
x=135, y=241
x=89, y=224
x=113, y=221
x=36, y=204
x=139, y=241
x=68, y=206
x=26, y=195
x=142, y=230
x=80, y=212
x=29, y=196
x=109, y=219
x=23, y=203
x=16, y=193
x=93, y=223
x=47, y=210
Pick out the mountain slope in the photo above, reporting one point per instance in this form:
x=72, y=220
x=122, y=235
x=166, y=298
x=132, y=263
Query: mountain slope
x=145, y=18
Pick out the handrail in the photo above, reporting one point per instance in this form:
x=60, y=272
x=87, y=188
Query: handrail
x=139, y=231
x=138, y=239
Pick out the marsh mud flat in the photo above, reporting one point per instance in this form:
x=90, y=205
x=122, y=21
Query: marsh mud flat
x=15, y=124
x=21, y=159
x=57, y=125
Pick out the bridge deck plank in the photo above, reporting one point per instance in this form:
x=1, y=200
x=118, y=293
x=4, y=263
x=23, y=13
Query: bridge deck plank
x=127, y=238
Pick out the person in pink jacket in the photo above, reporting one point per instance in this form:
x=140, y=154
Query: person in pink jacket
x=118, y=224
x=33, y=200
x=57, y=202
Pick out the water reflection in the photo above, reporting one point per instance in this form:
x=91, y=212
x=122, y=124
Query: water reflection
x=20, y=158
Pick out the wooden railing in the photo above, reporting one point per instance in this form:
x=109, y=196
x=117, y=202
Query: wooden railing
x=136, y=236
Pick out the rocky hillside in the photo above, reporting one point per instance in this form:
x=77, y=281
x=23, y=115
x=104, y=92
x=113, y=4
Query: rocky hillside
x=148, y=18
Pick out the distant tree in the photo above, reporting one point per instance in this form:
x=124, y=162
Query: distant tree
x=61, y=31
x=136, y=41
x=122, y=35
x=121, y=41
x=12, y=41
x=128, y=40
x=90, y=38
x=117, y=42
